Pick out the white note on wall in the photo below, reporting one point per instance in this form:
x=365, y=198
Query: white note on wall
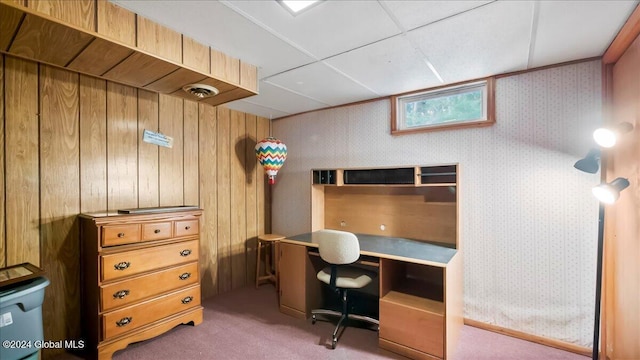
x=157, y=138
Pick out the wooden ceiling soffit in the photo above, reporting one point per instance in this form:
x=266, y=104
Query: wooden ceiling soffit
x=99, y=57
x=48, y=41
x=175, y=81
x=225, y=97
x=140, y=69
x=10, y=19
x=27, y=34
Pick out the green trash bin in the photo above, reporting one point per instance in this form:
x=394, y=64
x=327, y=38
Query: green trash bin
x=21, y=319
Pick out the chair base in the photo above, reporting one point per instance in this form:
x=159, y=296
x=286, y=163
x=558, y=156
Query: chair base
x=343, y=317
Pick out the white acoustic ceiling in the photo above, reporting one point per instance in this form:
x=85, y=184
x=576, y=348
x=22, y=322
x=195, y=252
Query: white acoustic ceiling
x=343, y=51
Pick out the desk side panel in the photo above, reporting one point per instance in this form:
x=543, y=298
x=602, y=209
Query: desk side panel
x=453, y=298
x=292, y=265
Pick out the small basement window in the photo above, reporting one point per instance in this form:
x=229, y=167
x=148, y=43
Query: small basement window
x=458, y=106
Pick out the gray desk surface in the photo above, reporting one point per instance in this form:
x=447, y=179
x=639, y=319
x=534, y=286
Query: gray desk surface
x=391, y=248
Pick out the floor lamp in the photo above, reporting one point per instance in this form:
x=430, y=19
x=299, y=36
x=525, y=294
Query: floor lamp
x=596, y=324
x=607, y=193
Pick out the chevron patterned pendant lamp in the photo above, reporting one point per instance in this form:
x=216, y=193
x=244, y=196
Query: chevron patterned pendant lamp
x=271, y=153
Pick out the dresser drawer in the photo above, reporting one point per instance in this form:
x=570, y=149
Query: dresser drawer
x=115, y=266
x=187, y=227
x=120, y=234
x=156, y=231
x=128, y=291
x=121, y=321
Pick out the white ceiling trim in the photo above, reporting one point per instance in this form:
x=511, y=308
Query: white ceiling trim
x=534, y=30
x=395, y=19
x=351, y=78
x=293, y=92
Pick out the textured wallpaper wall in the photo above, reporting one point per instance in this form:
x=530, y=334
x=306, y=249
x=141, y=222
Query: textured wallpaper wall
x=528, y=221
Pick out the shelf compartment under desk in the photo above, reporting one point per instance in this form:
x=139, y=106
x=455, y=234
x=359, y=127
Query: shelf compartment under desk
x=412, y=321
x=412, y=309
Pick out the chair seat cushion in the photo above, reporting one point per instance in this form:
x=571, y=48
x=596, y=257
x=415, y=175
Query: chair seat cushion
x=348, y=277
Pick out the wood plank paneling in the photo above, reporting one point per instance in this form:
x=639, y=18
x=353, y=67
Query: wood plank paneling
x=139, y=70
x=238, y=200
x=159, y=40
x=175, y=81
x=93, y=144
x=116, y=22
x=80, y=13
x=9, y=20
x=224, y=199
x=22, y=177
x=3, y=259
x=98, y=57
x=48, y=41
x=225, y=67
x=208, y=199
x=148, y=154
x=622, y=248
x=248, y=76
x=196, y=55
x=251, y=210
x=122, y=147
x=191, y=176
x=171, y=163
x=264, y=193
x=18, y=2
x=86, y=155
x=60, y=201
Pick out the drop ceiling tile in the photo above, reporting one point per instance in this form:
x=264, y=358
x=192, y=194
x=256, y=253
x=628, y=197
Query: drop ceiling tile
x=249, y=108
x=412, y=14
x=328, y=28
x=279, y=99
x=216, y=25
x=598, y=23
x=391, y=66
x=489, y=40
x=320, y=82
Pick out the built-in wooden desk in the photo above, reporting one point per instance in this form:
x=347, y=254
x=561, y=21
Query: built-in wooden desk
x=420, y=290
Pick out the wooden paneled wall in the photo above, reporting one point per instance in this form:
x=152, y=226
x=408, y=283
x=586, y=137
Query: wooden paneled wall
x=621, y=313
x=72, y=143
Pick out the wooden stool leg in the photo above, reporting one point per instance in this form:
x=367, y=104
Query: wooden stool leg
x=276, y=261
x=258, y=264
x=267, y=259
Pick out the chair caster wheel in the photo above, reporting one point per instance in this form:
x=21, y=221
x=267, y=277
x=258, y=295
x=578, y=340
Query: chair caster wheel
x=313, y=320
x=333, y=343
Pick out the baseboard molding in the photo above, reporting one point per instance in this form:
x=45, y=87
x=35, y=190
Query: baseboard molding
x=533, y=338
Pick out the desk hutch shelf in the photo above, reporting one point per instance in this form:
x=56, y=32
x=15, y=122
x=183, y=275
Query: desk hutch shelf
x=406, y=219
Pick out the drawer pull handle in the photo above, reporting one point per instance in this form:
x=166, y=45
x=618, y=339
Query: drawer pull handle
x=185, y=252
x=120, y=294
x=157, y=231
x=187, y=227
x=120, y=235
x=122, y=265
x=124, y=321
x=187, y=300
x=185, y=276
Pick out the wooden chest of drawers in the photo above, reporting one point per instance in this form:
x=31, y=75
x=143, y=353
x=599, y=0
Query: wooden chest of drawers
x=140, y=277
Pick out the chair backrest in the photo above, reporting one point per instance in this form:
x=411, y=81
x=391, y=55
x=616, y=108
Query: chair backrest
x=338, y=247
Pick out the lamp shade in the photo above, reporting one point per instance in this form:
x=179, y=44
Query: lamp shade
x=271, y=154
x=607, y=137
x=590, y=163
x=609, y=193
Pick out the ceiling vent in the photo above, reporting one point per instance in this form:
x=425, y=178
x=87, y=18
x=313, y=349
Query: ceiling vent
x=201, y=91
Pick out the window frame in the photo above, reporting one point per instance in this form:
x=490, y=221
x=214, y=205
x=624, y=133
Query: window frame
x=488, y=120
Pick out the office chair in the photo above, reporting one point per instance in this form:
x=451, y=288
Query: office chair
x=339, y=248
